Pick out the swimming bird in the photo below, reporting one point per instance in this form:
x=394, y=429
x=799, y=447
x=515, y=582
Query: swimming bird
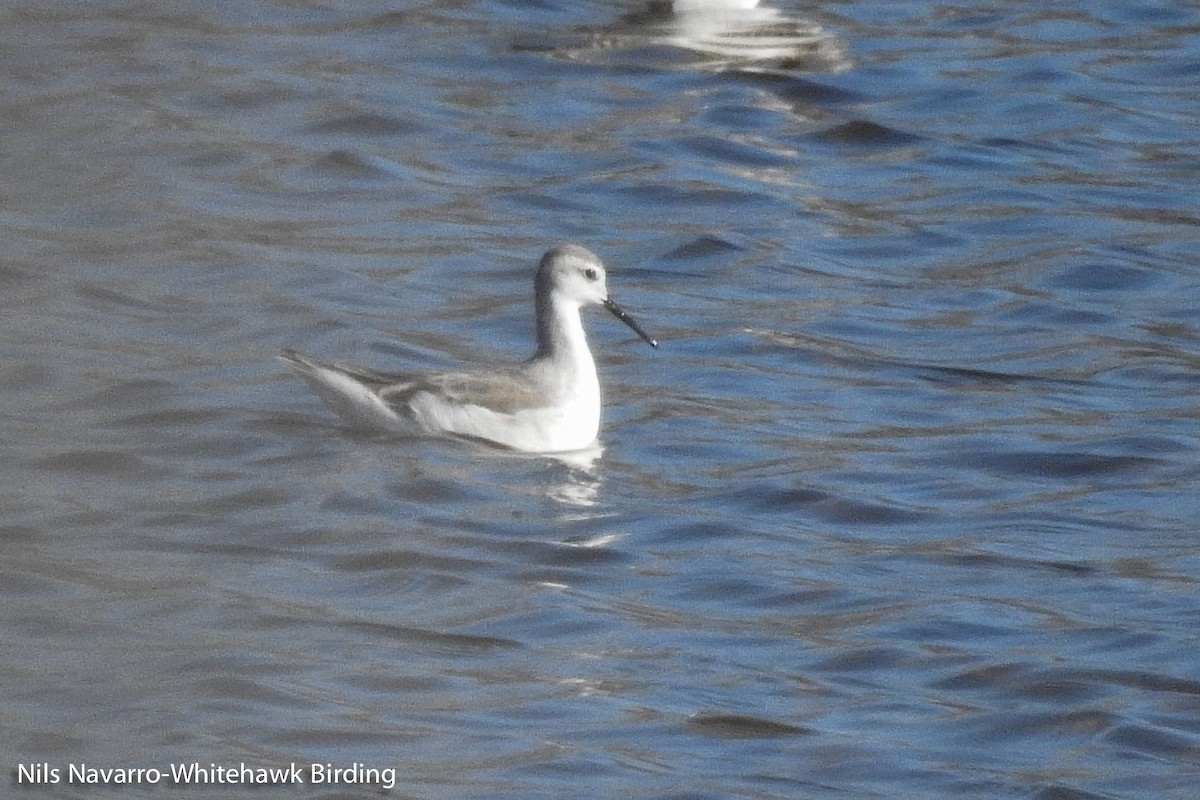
x=548, y=403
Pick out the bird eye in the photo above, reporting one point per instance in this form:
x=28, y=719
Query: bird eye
x=590, y=274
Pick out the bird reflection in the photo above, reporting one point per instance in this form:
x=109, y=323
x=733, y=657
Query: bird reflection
x=580, y=486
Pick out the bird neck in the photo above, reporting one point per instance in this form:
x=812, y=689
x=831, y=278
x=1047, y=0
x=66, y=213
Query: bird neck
x=560, y=332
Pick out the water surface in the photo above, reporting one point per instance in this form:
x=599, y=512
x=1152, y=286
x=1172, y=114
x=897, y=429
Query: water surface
x=904, y=506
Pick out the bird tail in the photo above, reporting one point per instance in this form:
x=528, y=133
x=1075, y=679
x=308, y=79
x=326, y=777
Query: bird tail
x=352, y=394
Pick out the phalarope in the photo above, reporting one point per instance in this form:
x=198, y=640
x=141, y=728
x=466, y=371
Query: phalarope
x=549, y=403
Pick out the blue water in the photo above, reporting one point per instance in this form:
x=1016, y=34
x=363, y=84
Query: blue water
x=904, y=506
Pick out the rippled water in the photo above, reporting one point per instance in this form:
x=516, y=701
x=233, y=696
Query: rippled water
x=905, y=505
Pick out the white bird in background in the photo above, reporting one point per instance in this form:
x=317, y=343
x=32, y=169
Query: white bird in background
x=684, y=6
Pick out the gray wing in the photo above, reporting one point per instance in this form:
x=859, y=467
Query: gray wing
x=502, y=392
